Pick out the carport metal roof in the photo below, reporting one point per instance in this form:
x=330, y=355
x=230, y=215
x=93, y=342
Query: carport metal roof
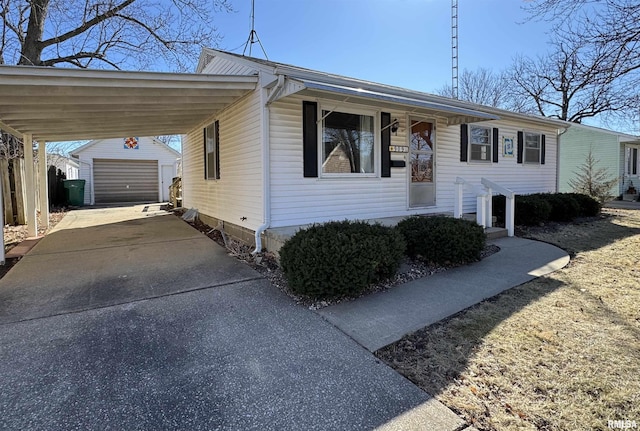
x=55, y=104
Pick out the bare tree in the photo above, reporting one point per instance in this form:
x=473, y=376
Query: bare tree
x=577, y=80
x=130, y=34
x=486, y=87
x=10, y=146
x=608, y=29
x=482, y=86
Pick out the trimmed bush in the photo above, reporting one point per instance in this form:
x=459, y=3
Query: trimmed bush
x=442, y=240
x=563, y=206
x=589, y=207
x=340, y=258
x=540, y=207
x=531, y=210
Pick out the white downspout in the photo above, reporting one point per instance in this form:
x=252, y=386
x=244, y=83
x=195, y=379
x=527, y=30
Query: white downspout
x=560, y=133
x=266, y=165
x=91, y=195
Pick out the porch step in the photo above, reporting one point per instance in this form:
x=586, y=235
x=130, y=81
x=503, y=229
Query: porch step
x=495, y=232
x=472, y=217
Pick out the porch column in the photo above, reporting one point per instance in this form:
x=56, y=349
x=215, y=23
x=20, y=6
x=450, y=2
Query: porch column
x=30, y=188
x=44, y=184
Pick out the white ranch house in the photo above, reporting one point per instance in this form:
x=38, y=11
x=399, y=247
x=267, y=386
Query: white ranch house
x=269, y=146
x=308, y=147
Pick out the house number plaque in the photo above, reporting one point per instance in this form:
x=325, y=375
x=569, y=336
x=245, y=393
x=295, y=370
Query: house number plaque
x=398, y=149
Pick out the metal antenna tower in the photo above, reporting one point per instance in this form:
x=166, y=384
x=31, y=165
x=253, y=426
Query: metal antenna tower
x=454, y=48
x=253, y=34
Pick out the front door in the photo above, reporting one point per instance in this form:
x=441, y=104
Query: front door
x=422, y=186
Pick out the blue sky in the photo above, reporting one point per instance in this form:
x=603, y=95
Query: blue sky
x=399, y=42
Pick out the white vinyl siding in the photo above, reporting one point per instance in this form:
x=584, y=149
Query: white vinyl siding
x=113, y=149
x=522, y=179
x=296, y=200
x=237, y=196
x=221, y=66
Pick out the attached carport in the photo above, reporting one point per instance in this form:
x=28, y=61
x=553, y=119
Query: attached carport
x=51, y=104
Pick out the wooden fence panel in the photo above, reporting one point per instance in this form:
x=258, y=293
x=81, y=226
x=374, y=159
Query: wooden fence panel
x=6, y=192
x=19, y=191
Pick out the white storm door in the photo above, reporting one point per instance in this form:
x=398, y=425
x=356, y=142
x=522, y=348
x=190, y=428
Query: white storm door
x=422, y=147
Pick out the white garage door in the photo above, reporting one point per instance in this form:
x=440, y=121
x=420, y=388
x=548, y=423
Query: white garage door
x=125, y=180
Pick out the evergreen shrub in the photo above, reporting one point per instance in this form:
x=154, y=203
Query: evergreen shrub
x=338, y=259
x=540, y=207
x=442, y=240
x=563, y=206
x=589, y=206
x=531, y=210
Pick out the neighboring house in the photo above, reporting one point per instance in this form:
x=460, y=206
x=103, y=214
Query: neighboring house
x=132, y=169
x=66, y=165
x=617, y=153
x=307, y=147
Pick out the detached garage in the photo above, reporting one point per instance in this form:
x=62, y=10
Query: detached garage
x=125, y=170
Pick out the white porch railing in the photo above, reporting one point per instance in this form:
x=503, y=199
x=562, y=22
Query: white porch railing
x=484, y=201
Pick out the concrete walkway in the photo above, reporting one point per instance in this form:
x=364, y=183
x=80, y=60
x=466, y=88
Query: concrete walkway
x=624, y=205
x=128, y=319
x=380, y=319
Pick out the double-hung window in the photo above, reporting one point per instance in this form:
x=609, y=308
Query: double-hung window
x=212, y=151
x=480, y=144
x=348, y=143
x=532, y=145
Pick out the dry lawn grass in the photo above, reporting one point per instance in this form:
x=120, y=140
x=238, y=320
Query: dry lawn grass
x=558, y=353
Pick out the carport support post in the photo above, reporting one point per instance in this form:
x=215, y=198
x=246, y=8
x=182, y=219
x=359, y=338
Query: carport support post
x=2, y=221
x=30, y=197
x=44, y=185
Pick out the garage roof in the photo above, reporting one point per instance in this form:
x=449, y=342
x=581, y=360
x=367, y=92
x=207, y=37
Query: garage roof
x=55, y=104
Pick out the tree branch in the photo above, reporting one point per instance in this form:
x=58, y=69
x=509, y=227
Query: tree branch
x=73, y=59
x=87, y=25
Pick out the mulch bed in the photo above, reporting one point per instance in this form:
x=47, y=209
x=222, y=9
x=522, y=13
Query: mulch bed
x=267, y=265
x=14, y=235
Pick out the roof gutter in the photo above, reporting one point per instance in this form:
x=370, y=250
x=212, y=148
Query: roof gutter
x=276, y=90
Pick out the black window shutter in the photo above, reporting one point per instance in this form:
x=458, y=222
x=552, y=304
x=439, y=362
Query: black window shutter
x=464, y=142
x=310, y=138
x=204, y=147
x=634, y=162
x=385, y=156
x=217, y=149
x=495, y=144
x=520, y=146
x=542, y=148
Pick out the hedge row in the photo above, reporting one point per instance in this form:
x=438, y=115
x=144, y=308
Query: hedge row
x=339, y=259
x=538, y=208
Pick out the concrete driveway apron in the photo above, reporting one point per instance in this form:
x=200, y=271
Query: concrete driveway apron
x=124, y=319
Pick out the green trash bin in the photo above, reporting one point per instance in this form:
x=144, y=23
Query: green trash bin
x=74, y=191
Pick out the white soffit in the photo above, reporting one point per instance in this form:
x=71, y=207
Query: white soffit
x=56, y=104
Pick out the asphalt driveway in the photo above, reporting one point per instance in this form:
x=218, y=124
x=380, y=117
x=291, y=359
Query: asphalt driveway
x=124, y=319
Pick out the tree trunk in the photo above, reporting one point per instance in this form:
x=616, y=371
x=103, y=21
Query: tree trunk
x=32, y=46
